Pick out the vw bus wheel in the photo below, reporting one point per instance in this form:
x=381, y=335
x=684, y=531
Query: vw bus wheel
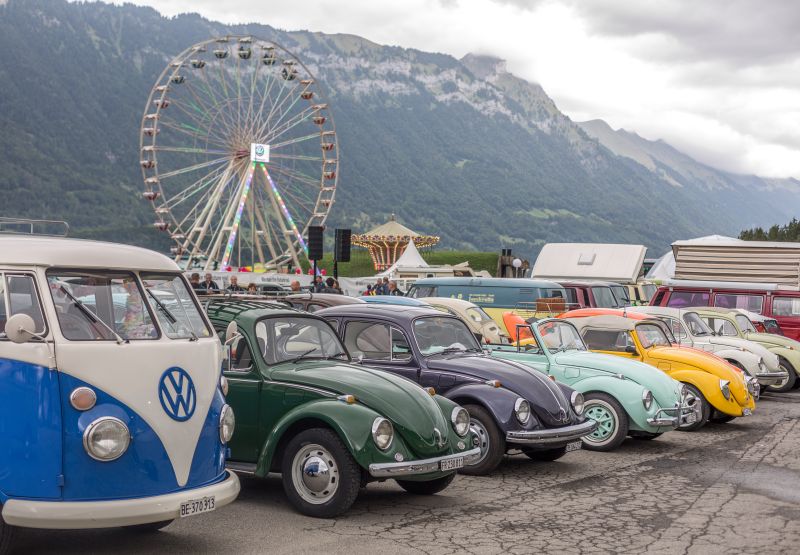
x=612, y=422
x=704, y=413
x=320, y=476
x=789, y=383
x=430, y=487
x=6, y=535
x=490, y=440
x=149, y=527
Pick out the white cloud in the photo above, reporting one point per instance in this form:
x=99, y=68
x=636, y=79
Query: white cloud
x=719, y=79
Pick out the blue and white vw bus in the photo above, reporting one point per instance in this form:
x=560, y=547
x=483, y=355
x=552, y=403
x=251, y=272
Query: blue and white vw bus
x=112, y=410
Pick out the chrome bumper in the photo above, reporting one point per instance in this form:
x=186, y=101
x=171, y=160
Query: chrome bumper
x=770, y=378
x=677, y=416
x=424, y=466
x=553, y=435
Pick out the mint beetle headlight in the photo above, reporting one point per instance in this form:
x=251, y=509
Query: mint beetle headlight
x=460, y=419
x=227, y=423
x=106, y=439
x=522, y=410
x=382, y=433
x=576, y=399
x=647, y=399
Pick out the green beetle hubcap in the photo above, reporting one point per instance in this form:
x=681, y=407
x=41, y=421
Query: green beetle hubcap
x=606, y=422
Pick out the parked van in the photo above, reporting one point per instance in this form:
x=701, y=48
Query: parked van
x=595, y=294
x=496, y=295
x=772, y=301
x=111, y=400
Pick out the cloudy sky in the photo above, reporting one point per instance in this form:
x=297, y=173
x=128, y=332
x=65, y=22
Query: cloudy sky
x=719, y=79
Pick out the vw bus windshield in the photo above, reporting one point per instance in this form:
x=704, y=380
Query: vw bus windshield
x=172, y=303
x=604, y=298
x=288, y=339
x=100, y=306
x=561, y=336
x=437, y=335
x=650, y=335
x=697, y=326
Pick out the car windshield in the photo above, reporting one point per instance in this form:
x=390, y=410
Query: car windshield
x=561, y=336
x=174, y=306
x=772, y=326
x=744, y=323
x=297, y=338
x=604, y=298
x=100, y=306
x=440, y=334
x=650, y=335
x=621, y=294
x=478, y=315
x=697, y=326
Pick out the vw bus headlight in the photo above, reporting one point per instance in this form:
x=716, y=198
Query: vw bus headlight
x=724, y=386
x=577, y=402
x=647, y=399
x=382, y=433
x=522, y=410
x=227, y=423
x=460, y=419
x=106, y=439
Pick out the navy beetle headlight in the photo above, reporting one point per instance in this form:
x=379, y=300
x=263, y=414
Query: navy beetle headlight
x=522, y=410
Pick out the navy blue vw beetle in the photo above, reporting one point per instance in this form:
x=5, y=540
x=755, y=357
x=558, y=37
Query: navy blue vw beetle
x=111, y=398
x=510, y=406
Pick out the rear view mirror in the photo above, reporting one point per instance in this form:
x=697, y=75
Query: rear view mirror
x=630, y=349
x=20, y=328
x=231, y=331
x=227, y=362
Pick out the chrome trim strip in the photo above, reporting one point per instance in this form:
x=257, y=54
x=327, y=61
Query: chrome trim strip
x=553, y=435
x=423, y=466
x=324, y=392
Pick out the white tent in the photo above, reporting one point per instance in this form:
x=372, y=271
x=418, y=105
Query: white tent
x=410, y=259
x=664, y=268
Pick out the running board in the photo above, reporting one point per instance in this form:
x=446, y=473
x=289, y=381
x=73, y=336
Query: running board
x=241, y=468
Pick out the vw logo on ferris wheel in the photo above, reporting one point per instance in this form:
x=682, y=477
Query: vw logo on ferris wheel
x=177, y=394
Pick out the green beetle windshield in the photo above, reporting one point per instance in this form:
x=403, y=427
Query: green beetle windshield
x=295, y=338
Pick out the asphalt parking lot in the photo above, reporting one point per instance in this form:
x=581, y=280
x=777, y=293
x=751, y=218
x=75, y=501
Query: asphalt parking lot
x=728, y=487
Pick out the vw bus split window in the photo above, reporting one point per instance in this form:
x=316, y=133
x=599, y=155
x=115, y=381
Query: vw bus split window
x=175, y=309
x=18, y=295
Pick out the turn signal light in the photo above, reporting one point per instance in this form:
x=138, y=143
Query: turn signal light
x=494, y=383
x=552, y=377
x=83, y=398
x=349, y=399
x=430, y=391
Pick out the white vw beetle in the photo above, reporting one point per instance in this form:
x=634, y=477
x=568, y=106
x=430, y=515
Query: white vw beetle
x=111, y=401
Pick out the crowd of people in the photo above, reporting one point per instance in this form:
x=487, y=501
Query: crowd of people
x=330, y=285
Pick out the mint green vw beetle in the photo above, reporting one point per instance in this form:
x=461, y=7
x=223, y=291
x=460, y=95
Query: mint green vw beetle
x=626, y=398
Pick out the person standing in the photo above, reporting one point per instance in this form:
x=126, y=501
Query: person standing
x=208, y=286
x=234, y=286
x=295, y=286
x=252, y=289
x=194, y=281
x=394, y=291
x=378, y=289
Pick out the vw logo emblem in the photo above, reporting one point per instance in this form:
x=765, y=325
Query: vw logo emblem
x=177, y=394
x=260, y=150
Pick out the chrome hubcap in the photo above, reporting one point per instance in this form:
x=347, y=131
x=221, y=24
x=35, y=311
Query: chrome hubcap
x=605, y=418
x=481, y=438
x=315, y=474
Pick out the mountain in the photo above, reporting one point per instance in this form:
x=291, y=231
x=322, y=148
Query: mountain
x=458, y=148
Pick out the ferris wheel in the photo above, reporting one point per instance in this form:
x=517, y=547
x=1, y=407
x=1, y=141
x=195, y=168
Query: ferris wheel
x=238, y=153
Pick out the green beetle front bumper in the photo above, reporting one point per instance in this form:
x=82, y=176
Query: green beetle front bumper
x=425, y=466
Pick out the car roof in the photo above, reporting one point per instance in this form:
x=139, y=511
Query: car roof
x=393, y=311
x=716, y=310
x=18, y=250
x=489, y=282
x=609, y=322
x=450, y=302
x=661, y=310
x=588, y=283
x=328, y=297
x=595, y=312
x=225, y=310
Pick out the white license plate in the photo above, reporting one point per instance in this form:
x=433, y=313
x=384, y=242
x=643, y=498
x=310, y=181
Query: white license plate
x=197, y=506
x=691, y=418
x=451, y=464
x=574, y=446
x=747, y=412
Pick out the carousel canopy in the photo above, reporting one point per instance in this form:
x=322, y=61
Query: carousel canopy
x=387, y=242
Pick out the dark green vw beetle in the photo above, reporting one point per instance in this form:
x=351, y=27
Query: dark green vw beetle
x=327, y=425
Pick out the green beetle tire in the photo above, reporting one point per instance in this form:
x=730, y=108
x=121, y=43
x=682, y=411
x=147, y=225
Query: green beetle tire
x=612, y=422
x=705, y=410
x=150, y=527
x=492, y=441
x=789, y=383
x=6, y=535
x=431, y=487
x=545, y=455
x=334, y=488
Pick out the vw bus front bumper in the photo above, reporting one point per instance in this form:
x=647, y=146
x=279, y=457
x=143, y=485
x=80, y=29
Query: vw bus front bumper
x=75, y=515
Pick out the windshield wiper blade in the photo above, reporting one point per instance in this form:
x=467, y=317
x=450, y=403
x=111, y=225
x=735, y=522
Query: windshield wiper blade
x=167, y=312
x=337, y=355
x=304, y=355
x=91, y=316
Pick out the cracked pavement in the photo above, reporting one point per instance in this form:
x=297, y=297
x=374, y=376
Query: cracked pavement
x=727, y=487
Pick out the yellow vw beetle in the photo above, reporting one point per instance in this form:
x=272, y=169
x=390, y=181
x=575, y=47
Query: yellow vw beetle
x=722, y=390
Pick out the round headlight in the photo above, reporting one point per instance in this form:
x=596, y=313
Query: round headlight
x=382, y=433
x=227, y=423
x=647, y=399
x=522, y=409
x=724, y=386
x=223, y=385
x=106, y=439
x=460, y=419
x=577, y=402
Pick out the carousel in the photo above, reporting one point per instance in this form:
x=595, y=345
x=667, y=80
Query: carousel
x=387, y=242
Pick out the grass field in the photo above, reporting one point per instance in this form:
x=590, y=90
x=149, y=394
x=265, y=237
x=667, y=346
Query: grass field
x=360, y=264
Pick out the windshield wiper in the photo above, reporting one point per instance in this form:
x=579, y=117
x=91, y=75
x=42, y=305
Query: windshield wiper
x=170, y=316
x=304, y=355
x=91, y=316
x=337, y=355
x=450, y=350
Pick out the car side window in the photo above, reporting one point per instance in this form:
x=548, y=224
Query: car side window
x=20, y=290
x=682, y=299
x=786, y=306
x=677, y=329
x=371, y=340
x=241, y=356
x=753, y=303
x=606, y=340
x=401, y=350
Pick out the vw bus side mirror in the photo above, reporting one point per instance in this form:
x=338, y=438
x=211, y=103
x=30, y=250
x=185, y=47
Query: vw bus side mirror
x=231, y=332
x=19, y=328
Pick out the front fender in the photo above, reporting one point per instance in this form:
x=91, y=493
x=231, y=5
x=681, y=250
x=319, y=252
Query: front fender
x=708, y=384
x=789, y=355
x=747, y=360
x=352, y=423
x=497, y=400
x=629, y=394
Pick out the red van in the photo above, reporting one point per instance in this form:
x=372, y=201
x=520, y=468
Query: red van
x=771, y=301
